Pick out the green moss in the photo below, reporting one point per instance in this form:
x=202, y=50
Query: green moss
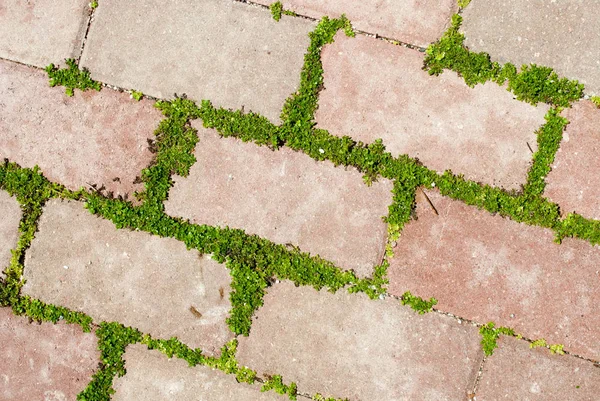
x=71, y=78
x=533, y=84
x=275, y=383
x=463, y=3
x=137, y=95
x=94, y=5
x=576, y=226
x=276, y=10
x=554, y=348
x=418, y=304
x=595, y=100
x=490, y=334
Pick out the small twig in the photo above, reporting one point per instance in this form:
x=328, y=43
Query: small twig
x=531, y=150
x=429, y=201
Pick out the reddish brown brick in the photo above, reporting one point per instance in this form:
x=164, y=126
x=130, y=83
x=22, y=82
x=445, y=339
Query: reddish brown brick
x=346, y=345
x=488, y=268
x=516, y=372
x=44, y=362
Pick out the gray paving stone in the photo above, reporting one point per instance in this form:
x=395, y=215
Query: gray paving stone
x=516, y=372
x=83, y=262
x=574, y=182
x=347, y=345
x=42, y=32
x=418, y=22
x=9, y=228
x=50, y=362
x=228, y=52
x=286, y=197
x=559, y=34
x=152, y=376
x=93, y=137
x=374, y=89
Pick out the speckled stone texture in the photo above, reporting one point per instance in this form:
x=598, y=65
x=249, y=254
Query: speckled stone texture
x=83, y=262
x=152, y=376
x=574, y=182
x=417, y=22
x=9, y=228
x=286, y=197
x=225, y=51
x=516, y=372
x=374, y=89
x=557, y=34
x=49, y=362
x=346, y=345
x=487, y=268
x=42, y=32
x=91, y=138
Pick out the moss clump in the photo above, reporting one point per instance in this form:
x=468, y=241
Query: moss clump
x=71, y=77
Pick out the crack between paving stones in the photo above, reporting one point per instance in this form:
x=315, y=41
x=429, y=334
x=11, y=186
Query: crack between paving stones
x=473, y=391
x=87, y=31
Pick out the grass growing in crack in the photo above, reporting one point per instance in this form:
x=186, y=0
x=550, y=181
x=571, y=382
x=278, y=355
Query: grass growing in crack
x=418, y=304
x=71, y=78
x=533, y=84
x=490, y=334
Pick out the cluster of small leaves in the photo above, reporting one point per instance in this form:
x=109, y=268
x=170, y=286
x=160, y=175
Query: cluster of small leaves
x=532, y=84
x=418, y=304
x=71, y=78
x=137, y=95
x=276, y=10
x=490, y=334
x=275, y=383
x=463, y=3
x=554, y=348
x=94, y=4
x=595, y=100
x=575, y=225
x=319, y=397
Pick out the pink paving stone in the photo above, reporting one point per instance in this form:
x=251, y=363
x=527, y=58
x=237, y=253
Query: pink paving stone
x=374, y=89
x=152, y=376
x=9, y=228
x=347, y=345
x=516, y=372
x=574, y=182
x=93, y=137
x=286, y=197
x=487, y=268
x=51, y=362
x=155, y=284
x=418, y=22
x=42, y=32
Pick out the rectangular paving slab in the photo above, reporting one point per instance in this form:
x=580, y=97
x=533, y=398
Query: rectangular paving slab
x=91, y=138
x=228, y=52
x=152, y=376
x=9, y=228
x=375, y=89
x=488, y=268
x=417, y=22
x=286, y=197
x=558, y=34
x=42, y=32
x=50, y=362
x=154, y=284
x=346, y=345
x=516, y=372
x=574, y=182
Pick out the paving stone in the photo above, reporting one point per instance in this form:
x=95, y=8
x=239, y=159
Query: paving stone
x=83, y=262
x=51, y=362
x=558, y=34
x=152, y=376
x=228, y=52
x=487, y=268
x=374, y=89
x=93, y=137
x=573, y=182
x=42, y=32
x=347, y=345
x=9, y=228
x=286, y=197
x=418, y=22
x=516, y=372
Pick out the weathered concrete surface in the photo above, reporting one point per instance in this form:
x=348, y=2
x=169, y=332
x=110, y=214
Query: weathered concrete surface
x=487, y=268
x=347, y=345
x=9, y=228
x=418, y=22
x=516, y=372
x=93, y=137
x=225, y=51
x=374, y=89
x=50, y=362
x=558, y=34
x=286, y=197
x=154, y=284
x=574, y=182
x=42, y=32
x=152, y=376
